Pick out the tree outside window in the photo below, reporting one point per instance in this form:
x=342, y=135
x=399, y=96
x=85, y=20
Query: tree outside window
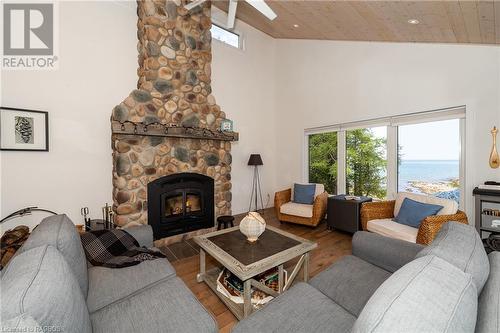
x=323, y=160
x=366, y=163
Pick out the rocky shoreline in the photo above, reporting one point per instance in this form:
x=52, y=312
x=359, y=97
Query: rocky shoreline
x=448, y=189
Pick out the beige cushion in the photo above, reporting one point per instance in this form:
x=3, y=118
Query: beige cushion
x=450, y=207
x=389, y=228
x=295, y=209
x=320, y=188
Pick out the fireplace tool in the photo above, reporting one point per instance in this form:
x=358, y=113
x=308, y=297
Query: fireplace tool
x=108, y=216
x=85, y=213
x=105, y=223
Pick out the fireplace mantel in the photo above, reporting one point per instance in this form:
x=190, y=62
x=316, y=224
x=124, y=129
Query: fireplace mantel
x=174, y=131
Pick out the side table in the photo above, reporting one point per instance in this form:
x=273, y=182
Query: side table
x=344, y=214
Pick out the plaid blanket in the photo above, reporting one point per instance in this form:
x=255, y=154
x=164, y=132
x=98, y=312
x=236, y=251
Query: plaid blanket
x=10, y=242
x=115, y=249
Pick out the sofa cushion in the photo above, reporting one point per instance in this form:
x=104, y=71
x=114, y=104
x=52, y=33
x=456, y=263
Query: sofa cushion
x=389, y=228
x=426, y=295
x=61, y=233
x=488, y=318
x=295, y=209
x=450, y=207
x=104, y=289
x=320, y=188
x=387, y=253
x=350, y=282
x=303, y=193
x=412, y=212
x=143, y=234
x=164, y=307
x=22, y=323
x=39, y=283
x=460, y=245
x=300, y=309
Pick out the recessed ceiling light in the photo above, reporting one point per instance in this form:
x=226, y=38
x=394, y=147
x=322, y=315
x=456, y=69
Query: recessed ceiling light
x=295, y=25
x=413, y=21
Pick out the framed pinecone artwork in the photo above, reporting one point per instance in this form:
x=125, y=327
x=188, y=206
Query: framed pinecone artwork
x=22, y=129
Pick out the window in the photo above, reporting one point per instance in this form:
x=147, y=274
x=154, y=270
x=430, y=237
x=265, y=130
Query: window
x=366, y=161
x=420, y=153
x=323, y=160
x=429, y=158
x=225, y=36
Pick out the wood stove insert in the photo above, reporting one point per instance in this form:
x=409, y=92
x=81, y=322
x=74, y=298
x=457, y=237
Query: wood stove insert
x=180, y=203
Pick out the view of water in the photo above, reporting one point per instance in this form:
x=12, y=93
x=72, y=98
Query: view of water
x=426, y=171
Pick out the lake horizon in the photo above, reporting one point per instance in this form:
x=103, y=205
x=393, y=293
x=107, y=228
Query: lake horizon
x=426, y=171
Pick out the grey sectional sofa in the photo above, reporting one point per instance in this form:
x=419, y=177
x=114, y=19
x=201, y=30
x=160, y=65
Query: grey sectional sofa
x=389, y=285
x=49, y=286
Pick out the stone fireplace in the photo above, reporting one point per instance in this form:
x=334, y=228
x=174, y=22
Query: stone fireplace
x=171, y=123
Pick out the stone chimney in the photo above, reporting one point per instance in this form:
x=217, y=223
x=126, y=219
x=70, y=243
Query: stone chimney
x=171, y=122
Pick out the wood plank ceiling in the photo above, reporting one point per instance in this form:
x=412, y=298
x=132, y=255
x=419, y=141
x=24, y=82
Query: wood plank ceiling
x=461, y=21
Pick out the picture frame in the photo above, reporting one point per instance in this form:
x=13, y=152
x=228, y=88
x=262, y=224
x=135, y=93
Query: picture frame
x=23, y=129
x=226, y=125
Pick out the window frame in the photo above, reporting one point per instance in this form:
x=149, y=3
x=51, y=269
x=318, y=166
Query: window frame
x=392, y=124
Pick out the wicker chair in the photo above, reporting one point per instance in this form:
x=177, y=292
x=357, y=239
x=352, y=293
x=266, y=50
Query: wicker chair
x=318, y=208
x=428, y=228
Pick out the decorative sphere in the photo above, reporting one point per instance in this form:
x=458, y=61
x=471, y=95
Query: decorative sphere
x=252, y=226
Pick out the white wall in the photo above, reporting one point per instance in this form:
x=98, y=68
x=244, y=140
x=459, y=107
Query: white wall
x=97, y=70
x=498, y=94
x=326, y=82
x=243, y=82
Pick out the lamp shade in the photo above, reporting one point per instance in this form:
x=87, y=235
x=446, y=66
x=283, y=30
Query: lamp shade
x=255, y=159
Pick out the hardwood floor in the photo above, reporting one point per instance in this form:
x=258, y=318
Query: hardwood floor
x=184, y=257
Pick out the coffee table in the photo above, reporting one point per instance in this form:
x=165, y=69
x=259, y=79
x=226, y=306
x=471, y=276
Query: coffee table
x=246, y=260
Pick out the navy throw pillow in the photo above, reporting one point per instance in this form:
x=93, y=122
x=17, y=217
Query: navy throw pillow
x=304, y=193
x=412, y=212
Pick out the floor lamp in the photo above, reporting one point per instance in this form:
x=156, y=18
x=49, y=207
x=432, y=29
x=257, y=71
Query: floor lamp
x=255, y=160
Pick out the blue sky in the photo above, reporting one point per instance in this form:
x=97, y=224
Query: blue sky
x=439, y=140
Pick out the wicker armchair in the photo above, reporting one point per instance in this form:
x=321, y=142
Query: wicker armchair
x=428, y=228
x=319, y=208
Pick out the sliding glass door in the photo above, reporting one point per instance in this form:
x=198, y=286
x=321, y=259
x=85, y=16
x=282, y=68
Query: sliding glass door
x=420, y=153
x=364, y=170
x=429, y=158
x=323, y=161
x=366, y=162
